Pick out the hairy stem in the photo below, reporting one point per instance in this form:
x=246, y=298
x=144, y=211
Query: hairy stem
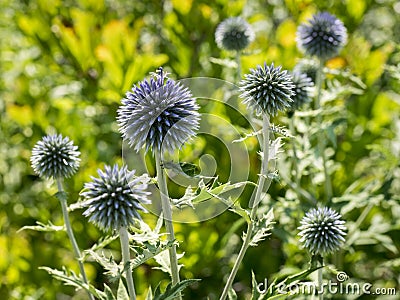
x=239, y=66
x=295, y=158
x=167, y=215
x=71, y=236
x=321, y=139
x=320, y=286
x=124, y=238
x=254, y=206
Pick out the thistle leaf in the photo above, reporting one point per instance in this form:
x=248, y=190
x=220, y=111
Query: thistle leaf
x=164, y=262
x=262, y=228
x=43, y=227
x=122, y=293
x=172, y=291
x=71, y=279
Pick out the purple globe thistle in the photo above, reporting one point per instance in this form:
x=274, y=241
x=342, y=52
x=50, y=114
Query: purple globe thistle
x=55, y=157
x=322, y=231
x=302, y=90
x=115, y=198
x=324, y=36
x=158, y=113
x=267, y=89
x=234, y=34
x=308, y=67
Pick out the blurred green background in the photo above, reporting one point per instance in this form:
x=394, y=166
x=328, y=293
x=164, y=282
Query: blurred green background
x=65, y=65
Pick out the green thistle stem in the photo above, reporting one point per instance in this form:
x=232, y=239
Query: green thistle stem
x=124, y=238
x=71, y=236
x=321, y=143
x=254, y=205
x=295, y=158
x=320, y=284
x=167, y=215
x=239, y=65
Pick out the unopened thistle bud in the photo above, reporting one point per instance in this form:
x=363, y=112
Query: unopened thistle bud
x=55, y=157
x=234, y=34
x=324, y=36
x=267, y=89
x=115, y=198
x=322, y=231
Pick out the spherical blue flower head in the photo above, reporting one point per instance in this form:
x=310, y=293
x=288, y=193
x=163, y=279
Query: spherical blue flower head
x=55, y=157
x=234, y=34
x=267, y=89
x=308, y=67
x=115, y=198
x=302, y=90
x=324, y=36
x=159, y=114
x=322, y=231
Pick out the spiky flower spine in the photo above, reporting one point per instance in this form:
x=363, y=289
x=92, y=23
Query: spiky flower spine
x=308, y=67
x=234, y=34
x=302, y=90
x=55, y=157
x=324, y=36
x=158, y=113
x=322, y=231
x=267, y=89
x=115, y=198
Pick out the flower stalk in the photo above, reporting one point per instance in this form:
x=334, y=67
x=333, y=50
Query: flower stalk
x=321, y=143
x=71, y=236
x=239, y=65
x=320, y=284
x=254, y=205
x=295, y=158
x=124, y=238
x=167, y=215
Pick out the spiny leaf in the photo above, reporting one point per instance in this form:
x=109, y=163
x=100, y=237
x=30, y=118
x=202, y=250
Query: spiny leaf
x=186, y=200
x=186, y=168
x=71, y=279
x=172, y=291
x=111, y=267
x=150, y=251
x=204, y=193
x=108, y=292
x=43, y=227
x=262, y=228
x=247, y=135
x=164, y=262
x=122, y=293
x=273, y=175
x=280, y=130
x=103, y=242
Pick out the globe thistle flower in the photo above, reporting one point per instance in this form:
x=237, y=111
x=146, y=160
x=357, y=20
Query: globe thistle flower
x=234, y=34
x=115, y=198
x=158, y=113
x=55, y=157
x=308, y=67
x=267, y=89
x=324, y=36
x=302, y=89
x=322, y=231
